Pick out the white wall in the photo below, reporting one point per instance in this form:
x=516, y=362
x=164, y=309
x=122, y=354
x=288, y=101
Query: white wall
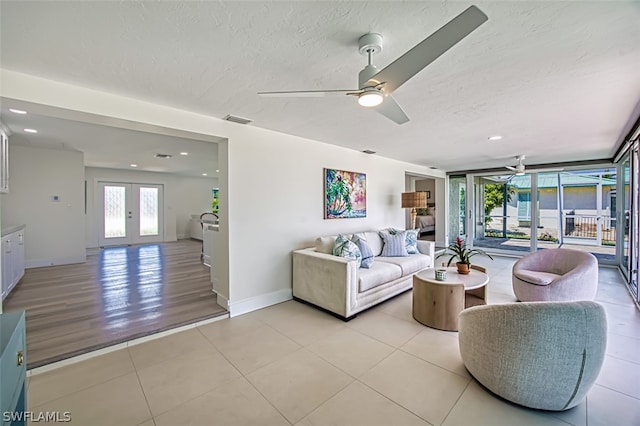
x=193, y=196
x=53, y=235
x=427, y=185
x=183, y=196
x=271, y=185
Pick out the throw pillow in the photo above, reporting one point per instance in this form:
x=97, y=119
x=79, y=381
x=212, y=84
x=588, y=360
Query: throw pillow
x=411, y=241
x=394, y=244
x=346, y=248
x=365, y=250
x=431, y=211
x=422, y=212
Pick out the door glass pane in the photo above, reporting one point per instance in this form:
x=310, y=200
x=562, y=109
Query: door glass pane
x=503, y=208
x=458, y=203
x=626, y=171
x=114, y=212
x=550, y=223
x=148, y=211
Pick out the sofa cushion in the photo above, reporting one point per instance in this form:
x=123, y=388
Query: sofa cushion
x=536, y=277
x=409, y=264
x=373, y=239
x=325, y=244
x=346, y=248
x=365, y=250
x=379, y=273
x=394, y=244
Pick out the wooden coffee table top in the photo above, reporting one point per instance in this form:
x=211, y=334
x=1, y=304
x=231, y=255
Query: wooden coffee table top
x=475, y=279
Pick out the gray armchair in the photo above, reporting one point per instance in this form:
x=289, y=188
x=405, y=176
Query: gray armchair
x=543, y=355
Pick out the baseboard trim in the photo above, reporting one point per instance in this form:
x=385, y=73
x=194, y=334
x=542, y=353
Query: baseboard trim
x=259, y=302
x=222, y=301
x=41, y=263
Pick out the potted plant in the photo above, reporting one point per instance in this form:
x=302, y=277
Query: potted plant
x=458, y=249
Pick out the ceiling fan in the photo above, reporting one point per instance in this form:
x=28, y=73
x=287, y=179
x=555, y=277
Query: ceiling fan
x=520, y=169
x=376, y=86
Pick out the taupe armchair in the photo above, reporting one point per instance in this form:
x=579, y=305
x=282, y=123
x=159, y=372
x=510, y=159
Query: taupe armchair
x=556, y=275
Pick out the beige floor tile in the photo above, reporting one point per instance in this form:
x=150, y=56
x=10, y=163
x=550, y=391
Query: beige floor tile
x=229, y=327
x=299, y=383
x=477, y=406
x=255, y=349
x=399, y=307
x=162, y=349
x=358, y=405
x=72, y=378
x=423, y=388
x=309, y=327
x=623, y=347
x=385, y=328
x=238, y=404
x=606, y=407
x=622, y=320
x=117, y=402
x=620, y=375
x=351, y=351
x=576, y=416
x=281, y=313
x=439, y=348
x=149, y=422
x=179, y=379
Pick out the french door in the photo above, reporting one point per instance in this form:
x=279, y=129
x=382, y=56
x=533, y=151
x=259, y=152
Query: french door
x=130, y=213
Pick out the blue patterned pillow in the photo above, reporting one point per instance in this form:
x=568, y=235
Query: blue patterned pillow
x=394, y=244
x=365, y=250
x=346, y=248
x=411, y=242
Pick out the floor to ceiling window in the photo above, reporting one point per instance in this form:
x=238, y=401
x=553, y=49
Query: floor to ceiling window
x=520, y=213
x=630, y=216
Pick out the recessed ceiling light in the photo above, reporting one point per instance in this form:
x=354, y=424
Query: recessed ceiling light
x=495, y=138
x=133, y=165
x=217, y=171
x=31, y=130
x=204, y=174
x=184, y=153
x=17, y=111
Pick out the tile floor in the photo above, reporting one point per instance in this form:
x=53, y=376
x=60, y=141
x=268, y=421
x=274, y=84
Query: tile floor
x=290, y=364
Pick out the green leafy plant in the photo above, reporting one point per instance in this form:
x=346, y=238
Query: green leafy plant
x=458, y=249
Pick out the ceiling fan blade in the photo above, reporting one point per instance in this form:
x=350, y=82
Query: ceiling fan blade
x=308, y=93
x=390, y=109
x=511, y=168
x=428, y=50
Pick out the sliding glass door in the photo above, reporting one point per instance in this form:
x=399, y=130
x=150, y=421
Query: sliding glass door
x=521, y=213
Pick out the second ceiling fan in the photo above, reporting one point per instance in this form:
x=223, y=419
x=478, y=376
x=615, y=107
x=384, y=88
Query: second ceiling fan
x=376, y=86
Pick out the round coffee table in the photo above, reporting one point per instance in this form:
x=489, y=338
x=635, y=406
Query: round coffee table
x=437, y=304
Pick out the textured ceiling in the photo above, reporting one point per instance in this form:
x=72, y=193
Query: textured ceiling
x=558, y=80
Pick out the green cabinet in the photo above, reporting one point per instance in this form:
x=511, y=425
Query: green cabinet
x=13, y=368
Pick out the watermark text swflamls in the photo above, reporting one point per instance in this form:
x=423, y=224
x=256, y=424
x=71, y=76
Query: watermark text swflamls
x=36, y=416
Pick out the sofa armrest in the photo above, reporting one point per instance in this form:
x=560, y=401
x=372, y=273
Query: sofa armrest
x=428, y=248
x=325, y=280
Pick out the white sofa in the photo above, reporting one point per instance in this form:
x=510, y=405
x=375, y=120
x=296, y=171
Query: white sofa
x=338, y=285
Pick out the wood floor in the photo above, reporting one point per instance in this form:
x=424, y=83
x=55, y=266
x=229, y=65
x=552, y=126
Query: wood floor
x=119, y=294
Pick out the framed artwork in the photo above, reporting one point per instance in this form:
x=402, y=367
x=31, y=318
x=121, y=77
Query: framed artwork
x=345, y=194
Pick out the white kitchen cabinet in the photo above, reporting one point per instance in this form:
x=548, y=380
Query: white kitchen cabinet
x=12, y=247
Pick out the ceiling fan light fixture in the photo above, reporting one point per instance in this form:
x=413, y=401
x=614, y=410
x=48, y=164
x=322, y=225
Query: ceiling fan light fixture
x=370, y=97
x=520, y=173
